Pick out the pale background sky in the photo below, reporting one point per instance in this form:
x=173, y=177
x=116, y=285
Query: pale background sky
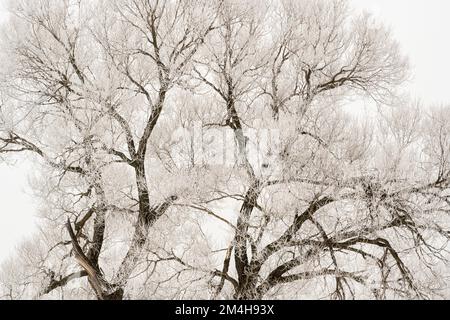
x=421, y=26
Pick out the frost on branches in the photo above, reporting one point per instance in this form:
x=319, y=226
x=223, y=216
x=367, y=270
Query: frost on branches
x=205, y=150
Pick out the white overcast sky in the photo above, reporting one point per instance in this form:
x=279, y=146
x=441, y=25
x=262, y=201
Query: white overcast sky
x=421, y=26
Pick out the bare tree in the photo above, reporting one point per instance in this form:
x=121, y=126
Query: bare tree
x=331, y=206
x=331, y=213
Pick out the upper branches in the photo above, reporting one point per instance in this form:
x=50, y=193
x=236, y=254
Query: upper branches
x=318, y=49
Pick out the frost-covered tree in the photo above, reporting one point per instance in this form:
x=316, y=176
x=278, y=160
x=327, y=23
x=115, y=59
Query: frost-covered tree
x=85, y=91
x=201, y=149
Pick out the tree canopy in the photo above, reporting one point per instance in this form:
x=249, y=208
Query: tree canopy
x=201, y=149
